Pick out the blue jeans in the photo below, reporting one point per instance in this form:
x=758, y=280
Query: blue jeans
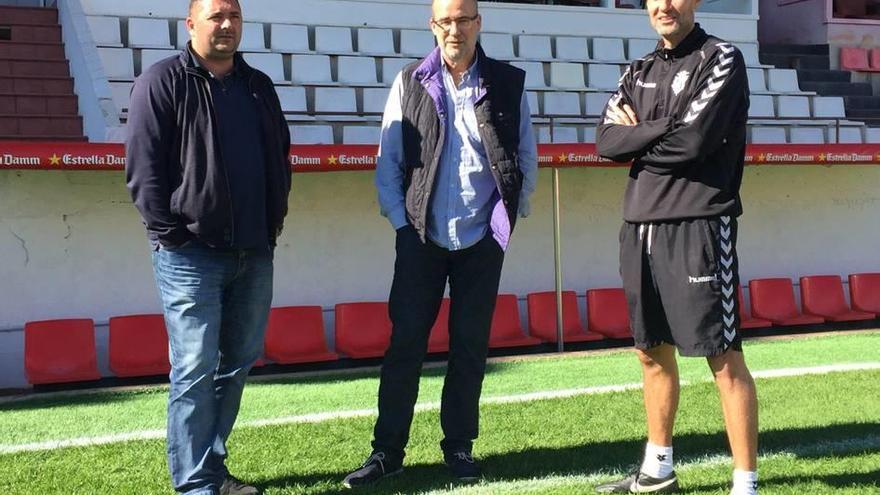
x=216, y=305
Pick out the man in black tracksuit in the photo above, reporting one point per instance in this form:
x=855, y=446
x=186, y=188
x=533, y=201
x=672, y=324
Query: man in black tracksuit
x=680, y=115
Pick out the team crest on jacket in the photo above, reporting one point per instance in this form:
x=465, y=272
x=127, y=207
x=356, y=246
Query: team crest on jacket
x=679, y=81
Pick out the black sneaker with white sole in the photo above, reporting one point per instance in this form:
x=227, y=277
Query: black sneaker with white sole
x=376, y=467
x=463, y=466
x=639, y=482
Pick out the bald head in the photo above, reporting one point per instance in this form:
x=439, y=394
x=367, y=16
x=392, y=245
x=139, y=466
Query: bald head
x=435, y=4
x=456, y=25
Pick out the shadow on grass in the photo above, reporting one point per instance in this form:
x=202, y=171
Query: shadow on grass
x=64, y=400
x=86, y=393
x=611, y=456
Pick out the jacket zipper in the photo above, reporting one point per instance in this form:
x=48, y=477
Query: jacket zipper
x=219, y=151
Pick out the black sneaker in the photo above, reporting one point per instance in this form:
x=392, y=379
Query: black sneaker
x=234, y=486
x=374, y=469
x=463, y=465
x=639, y=482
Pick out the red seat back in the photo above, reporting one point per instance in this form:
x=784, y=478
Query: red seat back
x=874, y=58
x=607, y=313
x=542, y=315
x=138, y=345
x=363, y=329
x=743, y=314
x=823, y=295
x=853, y=58
x=864, y=292
x=505, y=320
x=438, y=341
x=60, y=351
x=296, y=333
x=773, y=298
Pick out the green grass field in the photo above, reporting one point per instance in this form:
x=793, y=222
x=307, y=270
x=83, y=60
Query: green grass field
x=547, y=427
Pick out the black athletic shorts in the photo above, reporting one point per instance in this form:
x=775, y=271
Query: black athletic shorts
x=681, y=279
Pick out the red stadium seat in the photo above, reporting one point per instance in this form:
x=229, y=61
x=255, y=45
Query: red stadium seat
x=439, y=338
x=822, y=295
x=542, y=318
x=506, y=328
x=138, y=346
x=363, y=329
x=773, y=299
x=855, y=59
x=864, y=292
x=747, y=322
x=60, y=351
x=607, y=313
x=874, y=58
x=295, y=334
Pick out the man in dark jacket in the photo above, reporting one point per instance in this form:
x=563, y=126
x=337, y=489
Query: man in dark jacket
x=207, y=166
x=457, y=163
x=680, y=114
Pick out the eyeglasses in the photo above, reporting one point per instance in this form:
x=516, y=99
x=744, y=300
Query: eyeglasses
x=462, y=22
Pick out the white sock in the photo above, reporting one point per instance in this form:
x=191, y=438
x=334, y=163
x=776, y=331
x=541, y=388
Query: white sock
x=744, y=482
x=658, y=461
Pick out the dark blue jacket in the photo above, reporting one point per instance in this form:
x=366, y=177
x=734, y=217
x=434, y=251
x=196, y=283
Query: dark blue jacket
x=173, y=161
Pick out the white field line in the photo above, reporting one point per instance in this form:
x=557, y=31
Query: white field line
x=541, y=485
x=427, y=406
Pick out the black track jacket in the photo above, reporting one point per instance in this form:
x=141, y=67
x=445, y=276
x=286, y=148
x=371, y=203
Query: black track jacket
x=688, y=148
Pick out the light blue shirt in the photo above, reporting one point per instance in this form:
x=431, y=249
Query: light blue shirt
x=464, y=187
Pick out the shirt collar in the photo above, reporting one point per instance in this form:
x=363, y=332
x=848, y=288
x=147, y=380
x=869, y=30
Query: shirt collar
x=235, y=72
x=692, y=41
x=471, y=74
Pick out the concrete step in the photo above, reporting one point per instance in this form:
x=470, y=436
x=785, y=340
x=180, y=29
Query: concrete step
x=14, y=50
x=867, y=102
x=837, y=88
x=10, y=137
x=814, y=75
x=38, y=104
x=39, y=85
x=796, y=61
x=867, y=115
x=796, y=49
x=34, y=68
x=29, y=33
x=41, y=125
x=10, y=15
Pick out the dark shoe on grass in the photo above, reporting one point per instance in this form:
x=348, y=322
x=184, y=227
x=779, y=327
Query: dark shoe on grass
x=234, y=486
x=463, y=466
x=375, y=468
x=639, y=482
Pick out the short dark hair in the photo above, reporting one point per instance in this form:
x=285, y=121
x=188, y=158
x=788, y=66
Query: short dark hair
x=192, y=4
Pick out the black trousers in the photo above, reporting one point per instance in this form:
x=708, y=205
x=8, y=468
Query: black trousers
x=420, y=274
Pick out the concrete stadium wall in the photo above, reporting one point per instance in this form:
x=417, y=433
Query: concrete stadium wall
x=72, y=244
x=414, y=14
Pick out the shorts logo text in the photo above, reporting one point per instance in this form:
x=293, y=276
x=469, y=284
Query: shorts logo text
x=703, y=279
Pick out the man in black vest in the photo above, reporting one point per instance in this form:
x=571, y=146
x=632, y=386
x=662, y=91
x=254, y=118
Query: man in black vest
x=457, y=164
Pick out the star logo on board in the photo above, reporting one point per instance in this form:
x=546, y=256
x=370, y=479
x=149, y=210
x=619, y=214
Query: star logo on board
x=562, y=157
x=332, y=160
x=822, y=157
x=762, y=157
x=877, y=157
x=54, y=159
